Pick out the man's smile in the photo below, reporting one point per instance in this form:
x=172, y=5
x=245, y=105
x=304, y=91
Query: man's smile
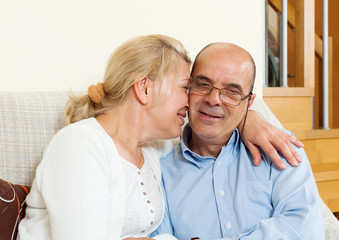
x=210, y=115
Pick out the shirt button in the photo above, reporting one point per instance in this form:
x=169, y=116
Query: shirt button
x=151, y=223
x=228, y=225
x=144, y=193
x=152, y=211
x=139, y=173
x=218, y=163
x=142, y=184
x=148, y=201
x=222, y=193
x=142, y=231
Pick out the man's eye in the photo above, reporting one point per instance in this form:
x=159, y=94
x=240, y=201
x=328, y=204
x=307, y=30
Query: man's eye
x=204, y=84
x=232, y=92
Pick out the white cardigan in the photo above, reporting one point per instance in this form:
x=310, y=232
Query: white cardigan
x=84, y=158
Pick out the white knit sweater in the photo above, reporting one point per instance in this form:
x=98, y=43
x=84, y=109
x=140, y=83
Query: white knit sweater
x=79, y=189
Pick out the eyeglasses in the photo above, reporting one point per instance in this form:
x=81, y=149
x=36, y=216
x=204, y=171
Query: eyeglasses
x=227, y=95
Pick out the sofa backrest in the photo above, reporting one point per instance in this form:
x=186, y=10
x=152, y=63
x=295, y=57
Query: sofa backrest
x=28, y=121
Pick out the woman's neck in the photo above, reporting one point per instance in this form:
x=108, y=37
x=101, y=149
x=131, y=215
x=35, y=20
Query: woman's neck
x=126, y=127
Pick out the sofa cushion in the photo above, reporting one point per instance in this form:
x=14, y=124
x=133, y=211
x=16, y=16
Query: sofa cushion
x=12, y=208
x=28, y=121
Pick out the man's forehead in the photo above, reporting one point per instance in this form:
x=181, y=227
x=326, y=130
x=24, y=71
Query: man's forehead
x=222, y=55
x=223, y=65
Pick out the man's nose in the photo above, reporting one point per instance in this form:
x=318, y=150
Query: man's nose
x=213, y=98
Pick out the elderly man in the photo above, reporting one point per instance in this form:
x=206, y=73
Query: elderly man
x=213, y=190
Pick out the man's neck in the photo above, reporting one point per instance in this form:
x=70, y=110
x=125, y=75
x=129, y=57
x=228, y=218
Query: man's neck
x=206, y=146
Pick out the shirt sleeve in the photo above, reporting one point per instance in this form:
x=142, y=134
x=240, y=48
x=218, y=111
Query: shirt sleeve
x=74, y=182
x=297, y=208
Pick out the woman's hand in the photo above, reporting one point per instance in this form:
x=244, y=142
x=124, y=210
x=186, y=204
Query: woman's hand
x=259, y=132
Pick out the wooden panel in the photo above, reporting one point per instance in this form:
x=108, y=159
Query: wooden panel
x=276, y=5
x=323, y=154
x=295, y=113
x=287, y=91
x=333, y=20
x=325, y=176
x=319, y=167
x=329, y=192
x=273, y=23
x=317, y=106
x=317, y=134
x=318, y=96
x=318, y=44
x=305, y=43
x=330, y=82
x=322, y=151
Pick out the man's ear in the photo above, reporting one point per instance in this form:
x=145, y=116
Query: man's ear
x=251, y=100
x=142, y=89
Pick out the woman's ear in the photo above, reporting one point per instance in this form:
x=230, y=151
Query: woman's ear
x=142, y=89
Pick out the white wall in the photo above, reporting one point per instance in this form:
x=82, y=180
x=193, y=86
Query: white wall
x=58, y=45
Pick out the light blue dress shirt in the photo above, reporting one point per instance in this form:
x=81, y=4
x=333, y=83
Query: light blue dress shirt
x=228, y=197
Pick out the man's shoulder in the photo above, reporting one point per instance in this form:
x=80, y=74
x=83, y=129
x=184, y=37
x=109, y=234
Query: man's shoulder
x=173, y=157
x=303, y=166
x=170, y=156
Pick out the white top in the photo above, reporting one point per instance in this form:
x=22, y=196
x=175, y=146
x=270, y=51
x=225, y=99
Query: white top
x=79, y=191
x=144, y=209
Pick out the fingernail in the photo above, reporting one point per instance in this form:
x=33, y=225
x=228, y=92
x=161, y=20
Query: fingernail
x=295, y=162
x=299, y=158
x=283, y=165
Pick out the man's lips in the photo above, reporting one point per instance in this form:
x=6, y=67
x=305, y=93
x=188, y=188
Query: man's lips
x=211, y=115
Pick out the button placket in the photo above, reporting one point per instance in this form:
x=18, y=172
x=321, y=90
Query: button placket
x=145, y=195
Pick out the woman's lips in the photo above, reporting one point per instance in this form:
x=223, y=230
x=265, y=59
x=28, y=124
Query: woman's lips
x=182, y=117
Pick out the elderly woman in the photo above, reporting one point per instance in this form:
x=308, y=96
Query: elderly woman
x=100, y=175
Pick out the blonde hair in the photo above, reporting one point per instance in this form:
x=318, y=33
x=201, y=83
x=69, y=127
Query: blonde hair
x=153, y=56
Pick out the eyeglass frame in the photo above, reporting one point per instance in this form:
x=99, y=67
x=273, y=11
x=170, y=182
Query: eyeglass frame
x=220, y=94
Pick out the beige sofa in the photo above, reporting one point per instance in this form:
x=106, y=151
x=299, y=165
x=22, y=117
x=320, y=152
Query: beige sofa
x=28, y=121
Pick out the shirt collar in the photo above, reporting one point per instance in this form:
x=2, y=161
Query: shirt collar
x=200, y=161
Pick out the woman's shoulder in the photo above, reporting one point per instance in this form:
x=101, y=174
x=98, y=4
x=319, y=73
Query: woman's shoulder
x=82, y=142
x=84, y=135
x=83, y=128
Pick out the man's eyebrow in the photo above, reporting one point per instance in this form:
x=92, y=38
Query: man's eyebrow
x=203, y=77
x=235, y=85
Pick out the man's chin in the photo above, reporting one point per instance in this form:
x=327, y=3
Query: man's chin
x=207, y=132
